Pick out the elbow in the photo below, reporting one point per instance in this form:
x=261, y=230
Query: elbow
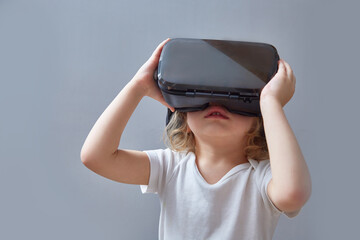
x=85, y=157
x=300, y=194
x=86, y=161
x=305, y=192
x=89, y=162
x=87, y=154
x=297, y=199
x=293, y=198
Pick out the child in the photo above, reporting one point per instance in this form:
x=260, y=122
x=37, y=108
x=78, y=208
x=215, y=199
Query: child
x=220, y=178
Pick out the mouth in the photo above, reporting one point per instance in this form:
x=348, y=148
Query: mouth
x=216, y=112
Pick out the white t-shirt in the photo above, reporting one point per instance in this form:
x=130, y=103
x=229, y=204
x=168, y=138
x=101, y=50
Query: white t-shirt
x=236, y=207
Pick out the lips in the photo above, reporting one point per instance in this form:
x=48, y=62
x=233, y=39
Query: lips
x=216, y=109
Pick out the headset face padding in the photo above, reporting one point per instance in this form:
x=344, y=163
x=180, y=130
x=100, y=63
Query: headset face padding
x=170, y=113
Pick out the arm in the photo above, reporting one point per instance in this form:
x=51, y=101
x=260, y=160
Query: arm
x=290, y=186
x=103, y=139
x=99, y=152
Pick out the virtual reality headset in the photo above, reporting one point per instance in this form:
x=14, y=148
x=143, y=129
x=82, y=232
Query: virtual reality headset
x=191, y=73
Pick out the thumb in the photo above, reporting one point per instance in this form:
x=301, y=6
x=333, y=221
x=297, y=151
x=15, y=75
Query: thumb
x=281, y=69
x=160, y=98
x=162, y=101
x=157, y=52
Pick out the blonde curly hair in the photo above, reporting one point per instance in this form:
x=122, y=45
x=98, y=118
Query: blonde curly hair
x=177, y=138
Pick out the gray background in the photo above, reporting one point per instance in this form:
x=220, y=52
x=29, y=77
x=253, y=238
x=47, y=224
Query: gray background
x=63, y=62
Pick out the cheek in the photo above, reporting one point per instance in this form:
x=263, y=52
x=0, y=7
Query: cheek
x=244, y=121
x=250, y=122
x=193, y=120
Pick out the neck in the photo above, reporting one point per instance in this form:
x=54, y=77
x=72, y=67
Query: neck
x=220, y=151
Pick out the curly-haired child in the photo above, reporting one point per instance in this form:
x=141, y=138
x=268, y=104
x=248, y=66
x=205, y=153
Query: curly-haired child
x=222, y=175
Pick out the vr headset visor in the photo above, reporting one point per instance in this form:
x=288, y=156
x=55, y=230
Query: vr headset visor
x=191, y=73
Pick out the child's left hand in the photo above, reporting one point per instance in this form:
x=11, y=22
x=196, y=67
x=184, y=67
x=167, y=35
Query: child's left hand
x=281, y=87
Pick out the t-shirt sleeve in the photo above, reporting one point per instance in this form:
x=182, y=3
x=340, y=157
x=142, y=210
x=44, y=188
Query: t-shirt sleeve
x=162, y=164
x=265, y=177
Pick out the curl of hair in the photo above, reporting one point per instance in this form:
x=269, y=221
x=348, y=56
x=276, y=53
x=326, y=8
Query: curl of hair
x=177, y=138
x=256, y=147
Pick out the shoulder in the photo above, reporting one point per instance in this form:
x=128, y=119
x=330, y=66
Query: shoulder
x=167, y=155
x=260, y=166
x=262, y=171
x=264, y=165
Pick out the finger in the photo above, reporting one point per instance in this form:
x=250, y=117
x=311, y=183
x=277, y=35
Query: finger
x=289, y=71
x=283, y=66
x=159, y=97
x=168, y=106
x=157, y=52
x=163, y=102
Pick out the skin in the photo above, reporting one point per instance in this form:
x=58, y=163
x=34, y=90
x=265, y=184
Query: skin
x=219, y=141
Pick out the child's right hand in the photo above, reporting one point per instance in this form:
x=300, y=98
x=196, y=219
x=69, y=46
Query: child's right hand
x=144, y=77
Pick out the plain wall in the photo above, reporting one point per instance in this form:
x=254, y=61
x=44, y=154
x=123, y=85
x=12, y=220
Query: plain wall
x=63, y=62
